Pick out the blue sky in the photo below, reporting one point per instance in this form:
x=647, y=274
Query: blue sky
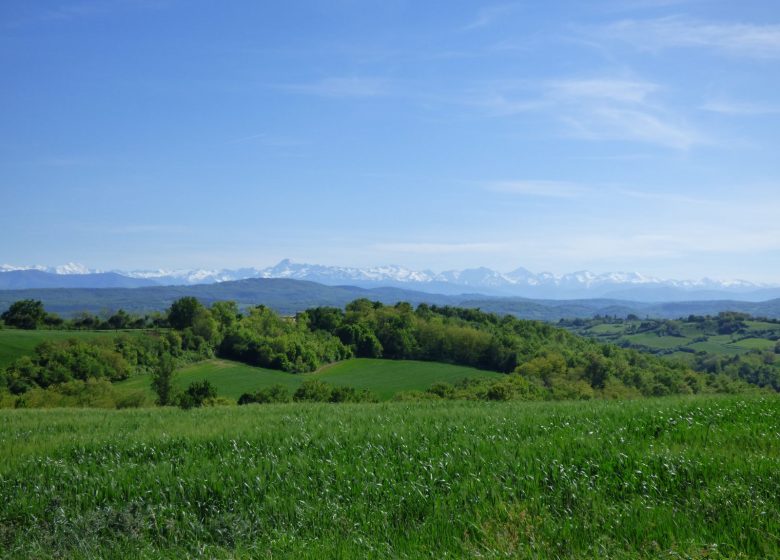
x=615, y=135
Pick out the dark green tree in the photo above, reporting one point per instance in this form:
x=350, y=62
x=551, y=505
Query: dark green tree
x=162, y=379
x=183, y=312
x=119, y=320
x=197, y=393
x=24, y=314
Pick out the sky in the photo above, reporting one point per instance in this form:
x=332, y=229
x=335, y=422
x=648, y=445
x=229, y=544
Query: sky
x=619, y=135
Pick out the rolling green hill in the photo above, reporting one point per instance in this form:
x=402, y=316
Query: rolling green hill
x=383, y=377
x=17, y=343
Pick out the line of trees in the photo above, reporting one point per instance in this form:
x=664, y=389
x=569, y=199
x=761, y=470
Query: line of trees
x=544, y=361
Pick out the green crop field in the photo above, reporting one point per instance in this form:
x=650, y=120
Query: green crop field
x=695, y=477
x=16, y=343
x=655, y=336
x=652, y=340
x=755, y=344
x=383, y=377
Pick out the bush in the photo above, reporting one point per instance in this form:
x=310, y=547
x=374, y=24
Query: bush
x=313, y=390
x=442, y=389
x=499, y=391
x=197, y=394
x=351, y=395
x=273, y=394
x=136, y=399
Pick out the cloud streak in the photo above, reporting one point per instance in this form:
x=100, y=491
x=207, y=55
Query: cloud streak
x=598, y=109
x=490, y=14
x=426, y=248
x=737, y=39
x=344, y=87
x=743, y=109
x=548, y=189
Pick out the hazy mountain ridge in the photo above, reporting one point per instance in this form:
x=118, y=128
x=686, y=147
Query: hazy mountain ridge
x=289, y=296
x=519, y=282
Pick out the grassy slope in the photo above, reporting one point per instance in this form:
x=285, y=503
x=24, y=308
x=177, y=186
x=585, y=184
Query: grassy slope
x=656, y=478
x=17, y=343
x=759, y=336
x=383, y=377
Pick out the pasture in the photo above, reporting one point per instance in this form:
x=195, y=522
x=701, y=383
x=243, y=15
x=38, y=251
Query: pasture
x=695, y=477
x=382, y=377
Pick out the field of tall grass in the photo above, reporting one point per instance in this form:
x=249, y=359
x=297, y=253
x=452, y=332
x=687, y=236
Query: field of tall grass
x=695, y=477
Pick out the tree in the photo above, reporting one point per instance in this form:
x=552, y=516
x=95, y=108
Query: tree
x=225, y=313
x=183, y=312
x=119, y=320
x=197, y=393
x=162, y=380
x=204, y=325
x=24, y=314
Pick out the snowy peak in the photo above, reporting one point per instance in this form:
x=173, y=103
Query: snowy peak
x=68, y=268
x=518, y=282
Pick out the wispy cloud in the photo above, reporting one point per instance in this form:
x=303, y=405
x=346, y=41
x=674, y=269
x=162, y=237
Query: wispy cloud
x=83, y=9
x=608, y=123
x=552, y=189
x=489, y=14
x=601, y=89
x=439, y=248
x=739, y=39
x=598, y=109
x=668, y=198
x=342, y=87
x=735, y=108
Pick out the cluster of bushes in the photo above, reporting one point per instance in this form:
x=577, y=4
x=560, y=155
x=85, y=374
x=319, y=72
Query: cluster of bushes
x=760, y=368
x=90, y=393
x=311, y=390
x=558, y=363
x=545, y=362
x=30, y=314
x=519, y=387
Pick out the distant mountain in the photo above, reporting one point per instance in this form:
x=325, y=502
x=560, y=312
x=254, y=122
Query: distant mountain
x=283, y=295
x=517, y=283
x=30, y=279
x=289, y=296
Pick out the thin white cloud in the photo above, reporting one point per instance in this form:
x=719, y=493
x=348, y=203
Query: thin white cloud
x=612, y=123
x=439, y=248
x=490, y=14
x=619, y=90
x=734, y=108
x=600, y=108
x=739, y=39
x=669, y=198
x=342, y=87
x=551, y=189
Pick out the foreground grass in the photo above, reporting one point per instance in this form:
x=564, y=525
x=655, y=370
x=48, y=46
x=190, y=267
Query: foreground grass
x=384, y=377
x=671, y=478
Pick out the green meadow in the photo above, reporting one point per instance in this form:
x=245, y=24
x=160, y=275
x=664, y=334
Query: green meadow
x=695, y=477
x=383, y=377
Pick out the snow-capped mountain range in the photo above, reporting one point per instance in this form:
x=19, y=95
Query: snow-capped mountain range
x=519, y=282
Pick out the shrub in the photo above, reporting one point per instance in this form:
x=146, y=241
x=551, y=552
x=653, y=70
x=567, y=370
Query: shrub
x=196, y=394
x=313, y=390
x=273, y=394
